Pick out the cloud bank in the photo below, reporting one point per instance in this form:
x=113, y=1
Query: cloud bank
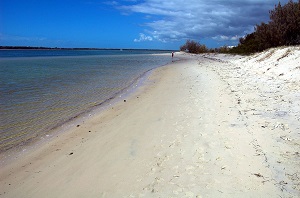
x=143, y=37
x=223, y=20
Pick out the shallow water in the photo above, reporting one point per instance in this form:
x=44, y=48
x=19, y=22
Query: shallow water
x=39, y=92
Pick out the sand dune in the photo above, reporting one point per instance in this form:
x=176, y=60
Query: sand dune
x=204, y=126
x=266, y=87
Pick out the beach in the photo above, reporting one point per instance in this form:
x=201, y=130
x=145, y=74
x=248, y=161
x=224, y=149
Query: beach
x=208, y=125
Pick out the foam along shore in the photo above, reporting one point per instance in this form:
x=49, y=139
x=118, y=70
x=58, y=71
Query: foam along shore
x=204, y=126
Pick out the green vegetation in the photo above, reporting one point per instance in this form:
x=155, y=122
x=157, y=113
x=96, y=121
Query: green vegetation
x=283, y=29
x=193, y=47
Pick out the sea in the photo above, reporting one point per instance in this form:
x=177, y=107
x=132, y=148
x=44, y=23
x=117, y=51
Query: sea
x=41, y=90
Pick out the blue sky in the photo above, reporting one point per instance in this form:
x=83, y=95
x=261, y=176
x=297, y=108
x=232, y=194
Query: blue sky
x=154, y=24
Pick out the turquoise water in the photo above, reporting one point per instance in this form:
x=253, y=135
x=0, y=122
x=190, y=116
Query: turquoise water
x=41, y=90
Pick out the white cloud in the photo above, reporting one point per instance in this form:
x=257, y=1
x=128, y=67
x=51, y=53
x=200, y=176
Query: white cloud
x=197, y=19
x=143, y=37
x=226, y=38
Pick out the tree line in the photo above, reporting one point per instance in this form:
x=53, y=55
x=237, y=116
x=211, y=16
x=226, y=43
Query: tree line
x=283, y=29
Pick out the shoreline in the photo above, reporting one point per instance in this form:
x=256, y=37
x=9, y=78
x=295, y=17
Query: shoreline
x=190, y=132
x=6, y=156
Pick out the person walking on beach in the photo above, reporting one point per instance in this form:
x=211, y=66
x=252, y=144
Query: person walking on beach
x=172, y=54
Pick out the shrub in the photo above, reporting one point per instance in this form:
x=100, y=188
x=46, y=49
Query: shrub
x=193, y=47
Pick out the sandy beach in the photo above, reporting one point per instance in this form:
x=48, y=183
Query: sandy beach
x=209, y=125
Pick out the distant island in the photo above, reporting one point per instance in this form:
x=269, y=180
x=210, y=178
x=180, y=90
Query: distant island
x=63, y=48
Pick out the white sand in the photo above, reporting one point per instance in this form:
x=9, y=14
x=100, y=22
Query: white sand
x=206, y=126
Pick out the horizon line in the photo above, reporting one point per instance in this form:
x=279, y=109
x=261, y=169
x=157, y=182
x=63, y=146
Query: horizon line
x=78, y=48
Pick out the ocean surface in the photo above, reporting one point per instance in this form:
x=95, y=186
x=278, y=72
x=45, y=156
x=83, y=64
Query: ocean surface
x=43, y=89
